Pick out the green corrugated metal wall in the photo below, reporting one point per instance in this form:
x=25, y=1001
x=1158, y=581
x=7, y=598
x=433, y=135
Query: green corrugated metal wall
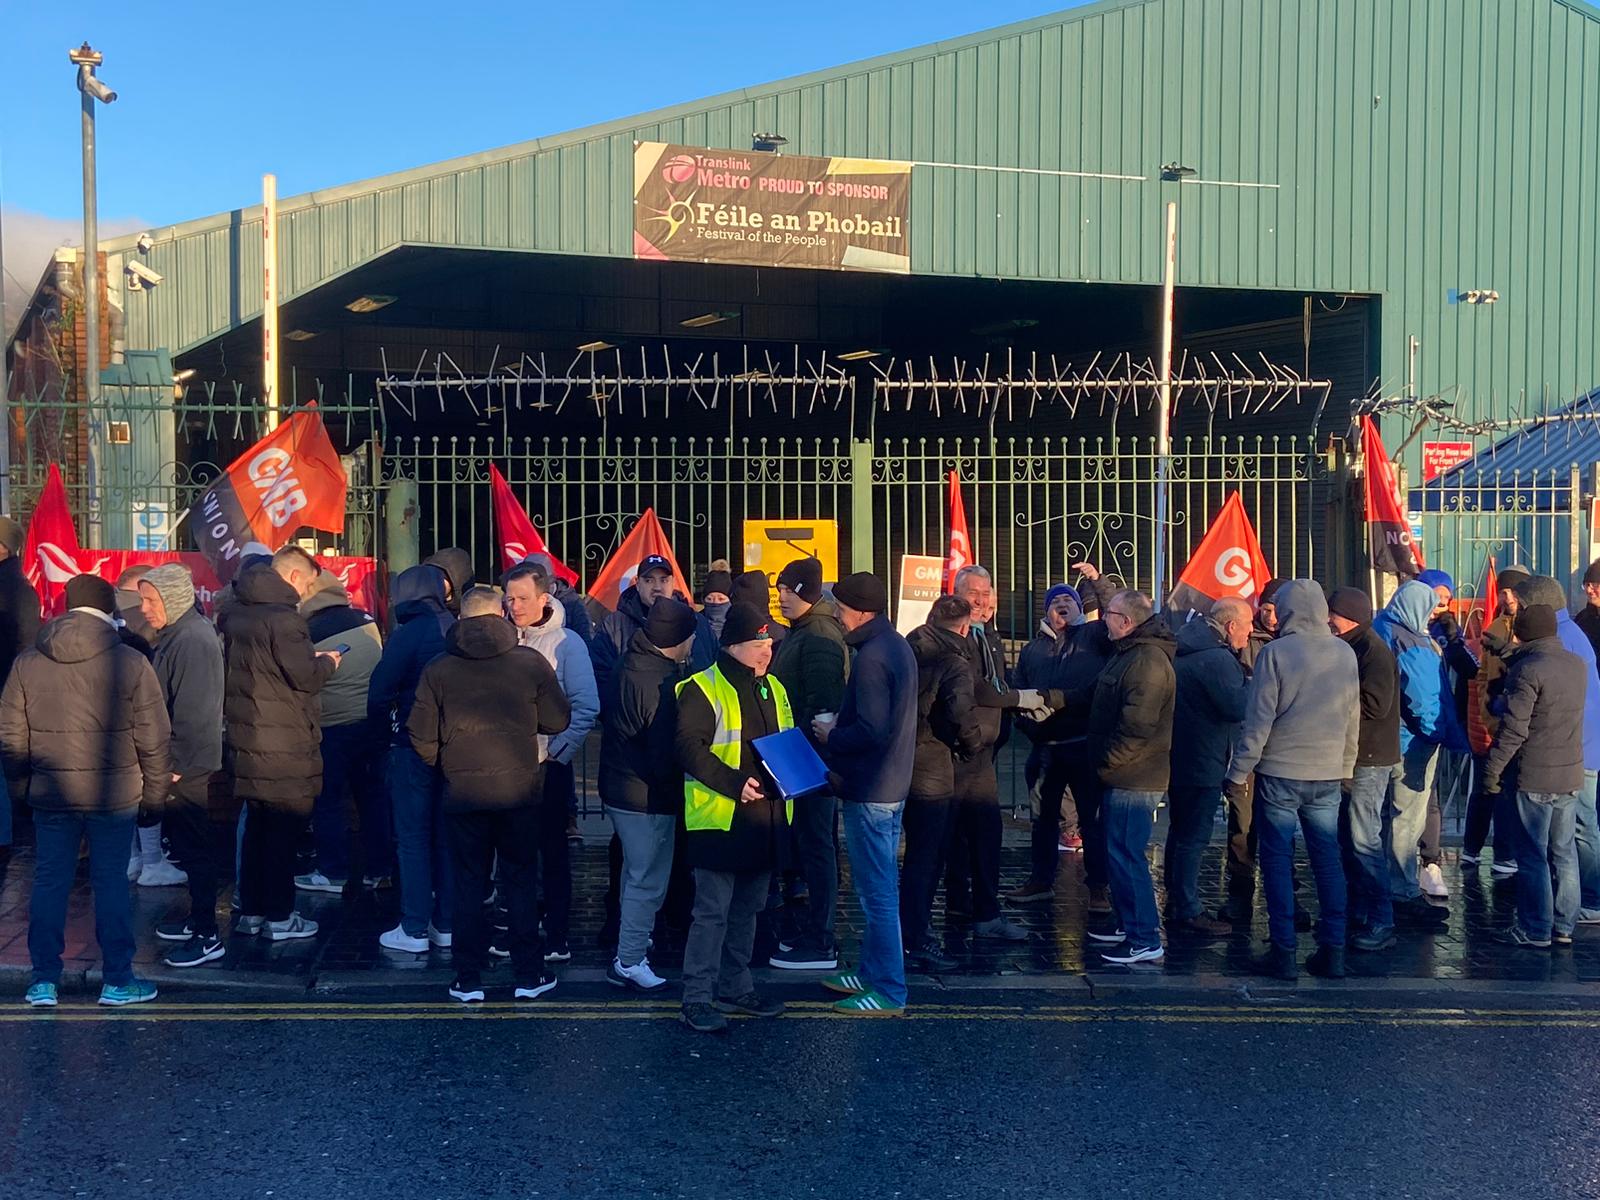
x=1419, y=145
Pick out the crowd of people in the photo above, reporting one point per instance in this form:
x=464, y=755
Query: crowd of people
x=440, y=755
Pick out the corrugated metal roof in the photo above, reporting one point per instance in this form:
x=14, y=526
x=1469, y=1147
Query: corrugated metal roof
x=1529, y=471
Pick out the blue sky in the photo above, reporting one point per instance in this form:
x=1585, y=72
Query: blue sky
x=214, y=94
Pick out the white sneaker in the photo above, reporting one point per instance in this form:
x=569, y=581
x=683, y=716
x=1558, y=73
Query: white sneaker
x=638, y=977
x=161, y=874
x=441, y=940
x=318, y=882
x=398, y=939
x=286, y=931
x=1432, y=882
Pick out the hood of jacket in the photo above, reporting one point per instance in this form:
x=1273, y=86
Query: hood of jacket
x=630, y=606
x=176, y=629
x=1198, y=635
x=262, y=585
x=455, y=563
x=1412, y=606
x=481, y=637
x=553, y=627
x=1303, y=609
x=930, y=643
x=1153, y=632
x=77, y=637
x=418, y=592
x=327, y=592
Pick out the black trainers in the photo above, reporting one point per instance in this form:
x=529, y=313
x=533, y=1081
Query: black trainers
x=467, y=993
x=703, y=1018
x=805, y=955
x=930, y=959
x=195, y=951
x=1419, y=912
x=532, y=991
x=500, y=946
x=751, y=1004
x=557, y=952
x=174, y=931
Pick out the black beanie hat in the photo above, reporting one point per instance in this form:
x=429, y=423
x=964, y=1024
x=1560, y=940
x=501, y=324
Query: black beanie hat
x=716, y=580
x=803, y=577
x=1592, y=575
x=1352, y=604
x=670, y=622
x=863, y=592
x=1270, y=590
x=745, y=623
x=90, y=591
x=751, y=588
x=1534, y=622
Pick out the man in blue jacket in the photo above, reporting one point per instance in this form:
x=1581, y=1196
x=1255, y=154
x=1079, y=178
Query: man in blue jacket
x=872, y=744
x=1428, y=722
x=1542, y=589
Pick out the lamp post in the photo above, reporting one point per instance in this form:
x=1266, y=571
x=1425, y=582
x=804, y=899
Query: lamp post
x=1170, y=172
x=92, y=90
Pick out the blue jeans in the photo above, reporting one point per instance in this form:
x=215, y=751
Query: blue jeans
x=1587, y=838
x=1192, y=813
x=427, y=878
x=872, y=834
x=349, y=774
x=57, y=836
x=1130, y=818
x=1366, y=861
x=1406, y=814
x=1313, y=806
x=1547, y=846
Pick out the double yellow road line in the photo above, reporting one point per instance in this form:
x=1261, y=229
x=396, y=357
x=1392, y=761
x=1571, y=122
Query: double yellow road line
x=161, y=1012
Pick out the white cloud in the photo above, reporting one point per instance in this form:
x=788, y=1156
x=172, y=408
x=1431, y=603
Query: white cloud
x=31, y=238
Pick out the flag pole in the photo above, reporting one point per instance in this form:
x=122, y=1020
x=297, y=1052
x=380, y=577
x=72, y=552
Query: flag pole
x=1164, y=417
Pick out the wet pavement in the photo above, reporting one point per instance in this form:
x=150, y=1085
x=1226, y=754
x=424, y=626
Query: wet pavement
x=345, y=956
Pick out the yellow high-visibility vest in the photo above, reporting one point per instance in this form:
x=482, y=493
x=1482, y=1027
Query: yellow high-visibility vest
x=704, y=807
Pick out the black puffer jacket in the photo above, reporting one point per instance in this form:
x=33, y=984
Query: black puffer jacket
x=614, y=634
x=1541, y=718
x=1208, y=707
x=188, y=664
x=479, y=711
x=421, y=624
x=638, y=763
x=947, y=716
x=82, y=724
x=456, y=564
x=270, y=695
x=19, y=613
x=991, y=684
x=1130, y=720
x=812, y=664
x=1378, y=742
x=758, y=840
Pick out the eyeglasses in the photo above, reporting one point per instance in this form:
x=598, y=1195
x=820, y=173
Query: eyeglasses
x=1111, y=612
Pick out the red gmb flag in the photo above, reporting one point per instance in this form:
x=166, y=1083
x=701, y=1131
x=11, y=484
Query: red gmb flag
x=518, y=537
x=645, y=539
x=960, y=554
x=51, y=556
x=290, y=479
x=1227, y=562
x=1394, y=550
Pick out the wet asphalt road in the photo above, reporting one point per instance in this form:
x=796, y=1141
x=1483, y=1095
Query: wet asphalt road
x=1006, y=1094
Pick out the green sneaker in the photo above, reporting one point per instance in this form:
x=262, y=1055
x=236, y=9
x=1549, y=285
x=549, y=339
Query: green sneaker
x=41, y=995
x=869, y=1004
x=120, y=995
x=846, y=983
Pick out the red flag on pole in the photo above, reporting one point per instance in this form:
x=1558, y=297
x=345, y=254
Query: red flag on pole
x=960, y=554
x=1478, y=735
x=1393, y=548
x=290, y=479
x=1227, y=562
x=518, y=537
x=52, y=555
x=644, y=539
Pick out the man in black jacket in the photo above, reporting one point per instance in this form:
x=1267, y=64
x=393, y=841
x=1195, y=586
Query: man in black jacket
x=1208, y=707
x=19, y=625
x=84, y=737
x=188, y=664
x=1366, y=860
x=738, y=826
x=812, y=663
x=1541, y=725
x=270, y=705
x=947, y=729
x=456, y=564
x=1588, y=619
x=478, y=715
x=1130, y=741
x=639, y=784
x=614, y=634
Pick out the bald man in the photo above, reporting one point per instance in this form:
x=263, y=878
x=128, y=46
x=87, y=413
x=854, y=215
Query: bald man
x=1212, y=682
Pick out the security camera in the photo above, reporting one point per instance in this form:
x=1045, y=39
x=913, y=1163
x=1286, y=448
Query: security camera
x=141, y=276
x=94, y=86
x=145, y=243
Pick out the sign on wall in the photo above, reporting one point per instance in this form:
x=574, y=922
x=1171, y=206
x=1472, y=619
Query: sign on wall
x=770, y=546
x=691, y=204
x=921, y=583
x=1439, y=457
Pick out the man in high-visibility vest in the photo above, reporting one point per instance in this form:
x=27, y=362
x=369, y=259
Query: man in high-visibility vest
x=737, y=826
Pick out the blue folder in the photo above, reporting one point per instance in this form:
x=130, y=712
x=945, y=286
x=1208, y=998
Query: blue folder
x=792, y=762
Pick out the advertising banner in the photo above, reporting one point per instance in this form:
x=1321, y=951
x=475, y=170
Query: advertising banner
x=691, y=204
x=921, y=583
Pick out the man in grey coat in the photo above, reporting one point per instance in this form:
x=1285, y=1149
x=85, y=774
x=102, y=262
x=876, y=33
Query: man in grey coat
x=1302, y=719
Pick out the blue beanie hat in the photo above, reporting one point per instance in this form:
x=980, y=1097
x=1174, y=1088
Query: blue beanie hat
x=1436, y=579
x=1059, y=590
